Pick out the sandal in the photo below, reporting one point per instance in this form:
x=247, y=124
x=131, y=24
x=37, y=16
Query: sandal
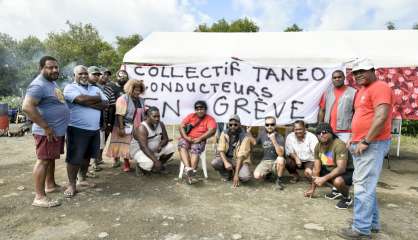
x=69, y=194
x=86, y=184
x=45, y=203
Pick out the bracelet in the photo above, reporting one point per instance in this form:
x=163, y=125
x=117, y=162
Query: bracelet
x=365, y=142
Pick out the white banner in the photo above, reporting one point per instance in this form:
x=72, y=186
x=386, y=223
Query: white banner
x=235, y=87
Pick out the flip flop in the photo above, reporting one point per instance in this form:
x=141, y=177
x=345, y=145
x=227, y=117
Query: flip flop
x=45, y=203
x=69, y=194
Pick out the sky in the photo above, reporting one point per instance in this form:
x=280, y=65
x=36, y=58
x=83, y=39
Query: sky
x=21, y=18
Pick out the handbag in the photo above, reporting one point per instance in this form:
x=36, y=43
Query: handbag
x=188, y=127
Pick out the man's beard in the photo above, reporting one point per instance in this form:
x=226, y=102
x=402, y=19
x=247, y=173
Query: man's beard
x=52, y=77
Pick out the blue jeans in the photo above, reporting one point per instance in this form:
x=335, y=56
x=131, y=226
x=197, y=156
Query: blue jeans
x=367, y=168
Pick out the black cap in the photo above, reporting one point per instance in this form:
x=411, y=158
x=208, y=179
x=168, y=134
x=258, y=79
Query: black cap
x=324, y=127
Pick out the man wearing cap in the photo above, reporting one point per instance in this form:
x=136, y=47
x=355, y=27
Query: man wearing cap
x=233, y=153
x=83, y=138
x=95, y=76
x=195, y=129
x=273, y=161
x=332, y=165
x=337, y=109
x=370, y=142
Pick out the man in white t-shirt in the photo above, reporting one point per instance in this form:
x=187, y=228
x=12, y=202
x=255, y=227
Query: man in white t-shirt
x=300, y=147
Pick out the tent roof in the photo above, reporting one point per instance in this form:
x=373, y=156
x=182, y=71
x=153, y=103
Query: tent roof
x=397, y=48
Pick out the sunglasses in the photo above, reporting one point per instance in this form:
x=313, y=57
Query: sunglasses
x=322, y=132
x=233, y=124
x=270, y=124
x=200, y=108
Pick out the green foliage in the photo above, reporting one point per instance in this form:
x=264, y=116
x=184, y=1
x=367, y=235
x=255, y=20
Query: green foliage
x=14, y=102
x=240, y=25
x=410, y=127
x=293, y=28
x=124, y=44
x=415, y=26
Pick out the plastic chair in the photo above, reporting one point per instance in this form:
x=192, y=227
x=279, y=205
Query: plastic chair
x=202, y=162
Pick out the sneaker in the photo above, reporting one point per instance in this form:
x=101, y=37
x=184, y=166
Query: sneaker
x=373, y=230
x=279, y=185
x=96, y=167
x=344, y=203
x=348, y=233
x=333, y=195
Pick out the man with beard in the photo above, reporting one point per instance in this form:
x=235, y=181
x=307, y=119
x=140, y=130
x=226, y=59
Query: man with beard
x=150, y=147
x=233, y=153
x=113, y=91
x=45, y=106
x=332, y=165
x=83, y=137
x=273, y=162
x=370, y=143
x=337, y=109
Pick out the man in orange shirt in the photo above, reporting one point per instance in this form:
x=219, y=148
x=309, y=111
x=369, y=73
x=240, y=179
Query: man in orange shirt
x=195, y=129
x=337, y=109
x=371, y=135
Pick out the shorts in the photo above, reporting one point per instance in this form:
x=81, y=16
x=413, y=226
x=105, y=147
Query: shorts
x=194, y=148
x=82, y=145
x=146, y=163
x=292, y=167
x=48, y=150
x=347, y=176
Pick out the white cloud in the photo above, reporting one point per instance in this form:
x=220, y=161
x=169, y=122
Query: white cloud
x=21, y=18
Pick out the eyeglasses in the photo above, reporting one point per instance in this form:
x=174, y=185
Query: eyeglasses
x=270, y=124
x=233, y=124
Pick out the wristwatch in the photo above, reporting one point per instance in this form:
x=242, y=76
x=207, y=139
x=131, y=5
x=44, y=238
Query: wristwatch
x=365, y=142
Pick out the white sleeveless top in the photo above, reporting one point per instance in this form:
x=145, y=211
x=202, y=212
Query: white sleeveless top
x=154, y=136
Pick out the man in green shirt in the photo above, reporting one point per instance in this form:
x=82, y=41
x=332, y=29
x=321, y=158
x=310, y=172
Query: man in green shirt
x=333, y=165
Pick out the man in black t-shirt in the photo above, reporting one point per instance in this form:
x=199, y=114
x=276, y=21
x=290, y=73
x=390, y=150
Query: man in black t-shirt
x=273, y=161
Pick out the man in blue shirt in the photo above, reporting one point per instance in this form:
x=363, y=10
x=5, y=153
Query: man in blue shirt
x=45, y=106
x=83, y=137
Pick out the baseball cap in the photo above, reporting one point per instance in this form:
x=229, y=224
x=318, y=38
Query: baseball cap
x=105, y=70
x=93, y=70
x=234, y=117
x=362, y=64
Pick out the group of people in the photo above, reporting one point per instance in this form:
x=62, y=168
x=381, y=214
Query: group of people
x=347, y=147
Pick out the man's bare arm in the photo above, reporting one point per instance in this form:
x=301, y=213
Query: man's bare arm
x=380, y=116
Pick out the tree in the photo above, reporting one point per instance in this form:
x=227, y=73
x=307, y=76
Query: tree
x=8, y=65
x=390, y=26
x=28, y=51
x=293, y=28
x=240, y=25
x=415, y=26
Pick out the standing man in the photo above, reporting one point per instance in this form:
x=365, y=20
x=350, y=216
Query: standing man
x=337, y=109
x=83, y=138
x=337, y=106
x=273, y=161
x=233, y=153
x=45, y=106
x=370, y=143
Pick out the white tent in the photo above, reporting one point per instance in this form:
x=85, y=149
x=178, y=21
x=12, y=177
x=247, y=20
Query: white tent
x=395, y=48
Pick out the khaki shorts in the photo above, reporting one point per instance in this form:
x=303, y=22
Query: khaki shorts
x=146, y=163
x=265, y=167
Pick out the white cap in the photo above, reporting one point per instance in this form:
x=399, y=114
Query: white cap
x=362, y=64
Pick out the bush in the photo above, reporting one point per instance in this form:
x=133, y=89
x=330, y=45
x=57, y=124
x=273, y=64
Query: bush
x=410, y=127
x=14, y=102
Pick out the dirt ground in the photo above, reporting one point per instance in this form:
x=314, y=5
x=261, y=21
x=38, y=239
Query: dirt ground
x=124, y=206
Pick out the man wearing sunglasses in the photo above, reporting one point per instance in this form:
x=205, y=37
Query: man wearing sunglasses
x=333, y=165
x=273, y=161
x=233, y=153
x=195, y=129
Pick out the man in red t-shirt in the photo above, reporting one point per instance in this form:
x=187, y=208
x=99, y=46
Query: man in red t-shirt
x=370, y=142
x=194, y=130
x=337, y=106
